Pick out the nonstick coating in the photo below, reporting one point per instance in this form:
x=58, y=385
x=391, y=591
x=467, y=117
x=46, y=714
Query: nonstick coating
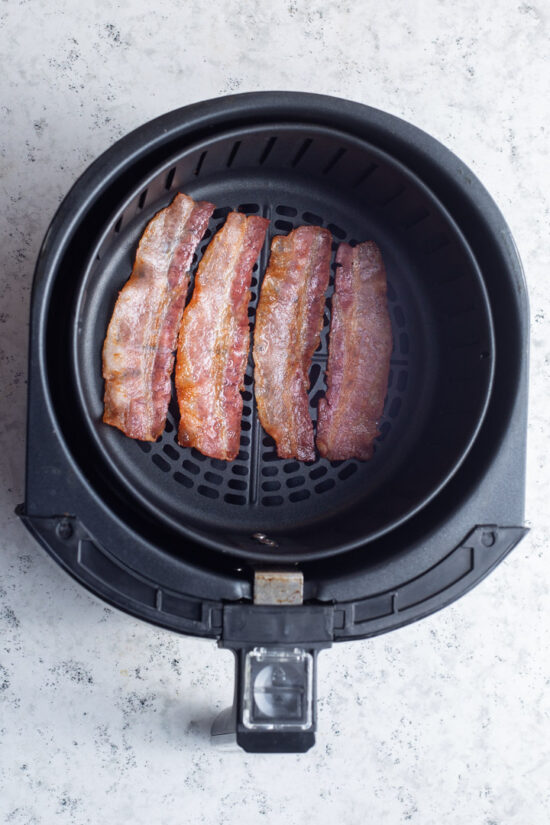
x=442, y=363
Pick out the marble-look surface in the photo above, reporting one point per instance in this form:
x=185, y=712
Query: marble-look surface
x=105, y=719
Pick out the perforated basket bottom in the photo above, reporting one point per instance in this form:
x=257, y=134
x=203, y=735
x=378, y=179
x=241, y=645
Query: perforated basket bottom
x=257, y=478
x=258, y=491
x=437, y=384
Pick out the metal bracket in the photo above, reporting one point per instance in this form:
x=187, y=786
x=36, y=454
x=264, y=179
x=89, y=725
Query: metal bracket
x=278, y=587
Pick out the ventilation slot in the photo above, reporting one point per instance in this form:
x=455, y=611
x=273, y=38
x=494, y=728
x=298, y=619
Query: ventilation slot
x=199, y=164
x=300, y=495
x=314, y=374
x=272, y=501
x=233, y=154
x=236, y=484
x=207, y=492
x=213, y=478
x=185, y=481
x=284, y=226
x=325, y=485
x=221, y=212
x=287, y=211
x=393, y=197
x=191, y=467
x=170, y=178
x=310, y=217
x=336, y=230
x=365, y=175
x=314, y=402
x=231, y=498
x=399, y=316
x=267, y=151
x=435, y=243
x=416, y=218
x=318, y=472
x=334, y=160
x=142, y=198
x=395, y=406
x=161, y=463
x=347, y=471
x=301, y=152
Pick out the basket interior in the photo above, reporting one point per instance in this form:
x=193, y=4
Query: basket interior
x=441, y=365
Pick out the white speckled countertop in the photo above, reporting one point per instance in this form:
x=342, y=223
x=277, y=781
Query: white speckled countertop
x=106, y=719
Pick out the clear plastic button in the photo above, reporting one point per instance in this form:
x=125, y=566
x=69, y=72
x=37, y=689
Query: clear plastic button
x=278, y=689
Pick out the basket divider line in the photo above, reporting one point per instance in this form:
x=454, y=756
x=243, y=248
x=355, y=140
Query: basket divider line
x=256, y=429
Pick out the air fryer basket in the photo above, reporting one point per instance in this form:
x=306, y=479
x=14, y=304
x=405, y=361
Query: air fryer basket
x=441, y=365
x=177, y=538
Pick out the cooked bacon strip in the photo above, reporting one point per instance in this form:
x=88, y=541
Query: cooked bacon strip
x=214, y=340
x=288, y=328
x=359, y=355
x=138, y=353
